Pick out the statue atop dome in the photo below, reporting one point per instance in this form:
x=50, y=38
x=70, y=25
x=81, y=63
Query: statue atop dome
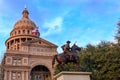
x=25, y=13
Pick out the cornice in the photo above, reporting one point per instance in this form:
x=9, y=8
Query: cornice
x=22, y=36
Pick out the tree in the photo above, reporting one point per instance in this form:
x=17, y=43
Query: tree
x=118, y=33
x=102, y=60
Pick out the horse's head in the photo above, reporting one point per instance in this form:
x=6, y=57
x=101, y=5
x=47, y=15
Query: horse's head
x=75, y=47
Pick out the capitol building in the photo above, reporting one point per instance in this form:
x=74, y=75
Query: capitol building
x=27, y=56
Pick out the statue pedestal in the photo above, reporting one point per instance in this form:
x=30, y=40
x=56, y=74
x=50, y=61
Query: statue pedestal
x=66, y=75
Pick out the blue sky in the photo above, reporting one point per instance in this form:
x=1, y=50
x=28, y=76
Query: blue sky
x=84, y=21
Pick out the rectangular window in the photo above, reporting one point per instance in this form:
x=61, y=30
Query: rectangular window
x=19, y=76
x=13, y=75
x=19, y=62
x=16, y=61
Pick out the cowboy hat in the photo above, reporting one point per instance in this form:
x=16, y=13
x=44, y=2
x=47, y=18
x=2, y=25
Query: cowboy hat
x=68, y=41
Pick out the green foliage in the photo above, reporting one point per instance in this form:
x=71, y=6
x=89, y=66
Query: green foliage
x=102, y=60
x=66, y=67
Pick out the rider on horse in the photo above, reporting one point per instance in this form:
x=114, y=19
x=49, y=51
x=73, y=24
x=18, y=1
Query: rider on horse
x=67, y=50
x=69, y=55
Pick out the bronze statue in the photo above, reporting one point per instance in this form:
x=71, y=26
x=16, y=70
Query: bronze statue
x=66, y=47
x=67, y=50
x=62, y=59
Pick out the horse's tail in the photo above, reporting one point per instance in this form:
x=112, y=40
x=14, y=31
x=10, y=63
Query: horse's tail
x=53, y=61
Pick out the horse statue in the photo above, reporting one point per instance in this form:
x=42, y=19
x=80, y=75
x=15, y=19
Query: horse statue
x=64, y=59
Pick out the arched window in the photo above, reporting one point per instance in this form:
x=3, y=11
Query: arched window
x=23, y=31
x=18, y=31
x=28, y=32
x=15, y=32
x=18, y=46
x=8, y=46
x=15, y=47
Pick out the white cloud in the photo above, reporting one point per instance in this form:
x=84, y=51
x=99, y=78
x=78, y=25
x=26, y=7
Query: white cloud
x=54, y=26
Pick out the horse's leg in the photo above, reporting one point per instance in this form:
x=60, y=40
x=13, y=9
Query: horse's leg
x=59, y=60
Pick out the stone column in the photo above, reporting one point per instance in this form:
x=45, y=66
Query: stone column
x=27, y=75
x=26, y=40
x=20, y=41
x=5, y=75
x=20, y=44
x=23, y=75
x=9, y=75
x=52, y=73
x=14, y=44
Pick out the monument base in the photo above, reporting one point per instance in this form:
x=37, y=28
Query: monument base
x=66, y=75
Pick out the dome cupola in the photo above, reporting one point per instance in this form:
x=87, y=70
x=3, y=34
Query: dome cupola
x=25, y=13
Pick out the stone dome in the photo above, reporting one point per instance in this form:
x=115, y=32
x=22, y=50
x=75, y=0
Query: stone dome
x=24, y=26
x=24, y=22
x=24, y=30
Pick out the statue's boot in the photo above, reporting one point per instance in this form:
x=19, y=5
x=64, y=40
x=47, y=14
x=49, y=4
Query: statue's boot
x=70, y=56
